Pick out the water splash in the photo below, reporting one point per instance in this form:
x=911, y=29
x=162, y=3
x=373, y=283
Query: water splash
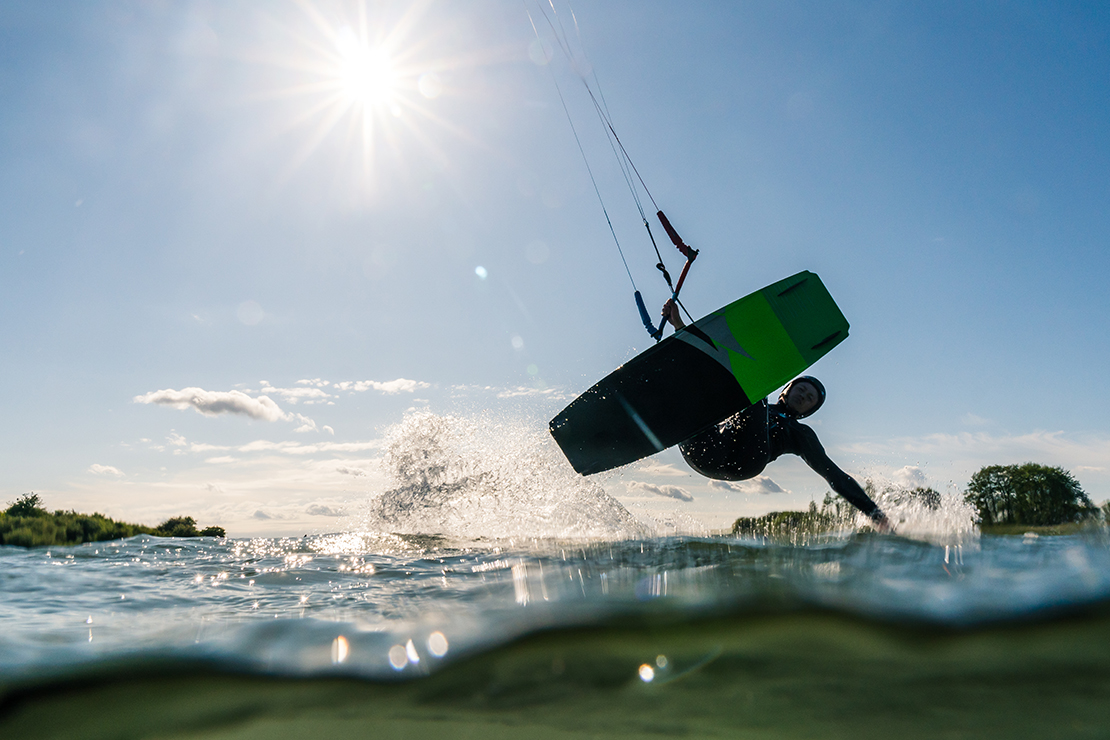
x=925, y=514
x=484, y=478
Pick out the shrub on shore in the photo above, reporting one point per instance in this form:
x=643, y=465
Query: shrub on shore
x=833, y=514
x=26, y=523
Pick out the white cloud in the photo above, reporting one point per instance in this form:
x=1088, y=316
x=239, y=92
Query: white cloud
x=758, y=485
x=285, y=448
x=98, y=469
x=296, y=448
x=356, y=472
x=314, y=381
x=520, y=391
x=204, y=447
x=292, y=395
x=321, y=510
x=213, y=403
x=400, y=385
x=665, y=490
x=328, y=429
x=910, y=476
x=307, y=425
x=653, y=467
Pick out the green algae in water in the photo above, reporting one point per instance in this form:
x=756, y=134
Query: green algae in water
x=799, y=675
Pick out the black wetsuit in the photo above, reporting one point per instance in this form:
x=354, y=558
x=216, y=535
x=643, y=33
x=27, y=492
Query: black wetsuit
x=742, y=445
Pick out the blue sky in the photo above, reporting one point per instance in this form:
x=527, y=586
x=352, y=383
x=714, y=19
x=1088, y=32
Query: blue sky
x=194, y=196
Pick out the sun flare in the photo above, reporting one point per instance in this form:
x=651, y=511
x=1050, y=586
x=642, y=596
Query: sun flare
x=366, y=75
x=366, y=78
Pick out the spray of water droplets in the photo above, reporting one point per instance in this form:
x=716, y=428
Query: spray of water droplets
x=479, y=477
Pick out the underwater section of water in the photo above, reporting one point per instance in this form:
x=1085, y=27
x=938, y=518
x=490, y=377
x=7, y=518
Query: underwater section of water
x=391, y=606
x=798, y=675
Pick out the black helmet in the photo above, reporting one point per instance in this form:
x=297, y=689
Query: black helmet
x=804, y=379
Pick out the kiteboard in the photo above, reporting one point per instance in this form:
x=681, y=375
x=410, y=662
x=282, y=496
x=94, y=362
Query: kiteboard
x=704, y=373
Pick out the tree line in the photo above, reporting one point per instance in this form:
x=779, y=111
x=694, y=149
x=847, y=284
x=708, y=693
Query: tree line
x=1028, y=495
x=26, y=523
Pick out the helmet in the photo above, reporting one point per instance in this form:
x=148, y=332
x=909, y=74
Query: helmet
x=804, y=379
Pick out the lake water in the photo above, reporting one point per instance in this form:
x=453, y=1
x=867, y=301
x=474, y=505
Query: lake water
x=491, y=604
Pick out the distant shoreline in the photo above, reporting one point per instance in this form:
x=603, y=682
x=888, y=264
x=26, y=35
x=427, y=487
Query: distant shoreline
x=27, y=524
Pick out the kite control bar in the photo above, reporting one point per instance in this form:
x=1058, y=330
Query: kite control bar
x=690, y=254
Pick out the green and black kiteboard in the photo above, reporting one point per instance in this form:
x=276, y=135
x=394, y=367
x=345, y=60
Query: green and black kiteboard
x=720, y=364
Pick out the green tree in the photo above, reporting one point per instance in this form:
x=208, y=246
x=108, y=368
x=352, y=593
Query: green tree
x=1031, y=494
x=186, y=526
x=928, y=497
x=178, y=526
x=29, y=504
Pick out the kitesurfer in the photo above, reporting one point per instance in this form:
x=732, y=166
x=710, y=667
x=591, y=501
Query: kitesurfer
x=740, y=447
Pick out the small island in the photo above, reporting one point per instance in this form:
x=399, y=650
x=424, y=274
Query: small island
x=26, y=523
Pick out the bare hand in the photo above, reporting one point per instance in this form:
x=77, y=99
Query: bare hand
x=670, y=311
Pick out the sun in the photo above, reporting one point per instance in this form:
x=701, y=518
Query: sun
x=365, y=77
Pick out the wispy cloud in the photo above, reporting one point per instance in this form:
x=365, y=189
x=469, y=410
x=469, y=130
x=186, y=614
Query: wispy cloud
x=98, y=469
x=759, y=485
x=309, y=395
x=214, y=403
x=520, y=391
x=263, y=445
x=655, y=468
x=525, y=391
x=400, y=385
x=1055, y=448
x=307, y=425
x=296, y=448
x=321, y=510
x=665, y=491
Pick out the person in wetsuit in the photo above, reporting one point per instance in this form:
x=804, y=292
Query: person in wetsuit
x=740, y=447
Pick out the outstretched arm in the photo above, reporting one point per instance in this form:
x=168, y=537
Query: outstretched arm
x=845, y=485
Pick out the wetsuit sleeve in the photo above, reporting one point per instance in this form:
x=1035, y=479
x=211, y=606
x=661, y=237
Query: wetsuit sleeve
x=810, y=450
